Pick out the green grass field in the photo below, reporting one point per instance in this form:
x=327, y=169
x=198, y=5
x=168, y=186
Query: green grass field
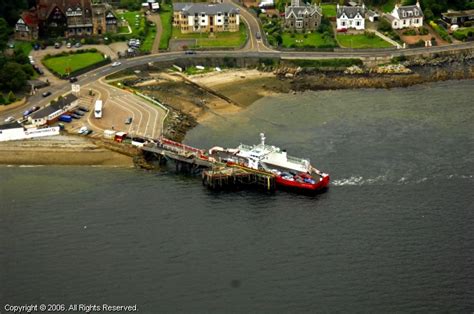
x=464, y=30
x=131, y=18
x=25, y=46
x=220, y=39
x=166, y=15
x=149, y=39
x=314, y=40
x=73, y=62
x=361, y=41
x=329, y=10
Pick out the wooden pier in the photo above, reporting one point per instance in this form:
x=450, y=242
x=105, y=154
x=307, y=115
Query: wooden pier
x=236, y=178
x=215, y=174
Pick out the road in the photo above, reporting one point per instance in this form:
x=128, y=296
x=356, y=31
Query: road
x=254, y=48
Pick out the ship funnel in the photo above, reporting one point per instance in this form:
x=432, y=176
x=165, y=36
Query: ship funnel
x=262, y=138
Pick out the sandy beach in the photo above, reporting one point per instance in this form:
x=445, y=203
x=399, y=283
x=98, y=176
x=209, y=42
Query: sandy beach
x=60, y=150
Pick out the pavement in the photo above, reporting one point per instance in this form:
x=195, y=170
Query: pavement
x=145, y=115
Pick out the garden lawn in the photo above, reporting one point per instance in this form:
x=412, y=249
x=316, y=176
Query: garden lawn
x=465, y=30
x=147, y=44
x=312, y=40
x=24, y=46
x=70, y=63
x=166, y=15
x=329, y=10
x=361, y=41
x=131, y=18
x=220, y=39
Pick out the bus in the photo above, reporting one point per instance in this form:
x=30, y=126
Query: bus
x=98, y=109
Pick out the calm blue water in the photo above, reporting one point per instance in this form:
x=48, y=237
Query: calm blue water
x=393, y=233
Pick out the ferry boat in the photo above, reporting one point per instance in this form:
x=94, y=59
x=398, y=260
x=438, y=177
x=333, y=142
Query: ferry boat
x=291, y=172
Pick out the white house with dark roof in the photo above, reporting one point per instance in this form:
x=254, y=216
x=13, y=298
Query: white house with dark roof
x=350, y=17
x=406, y=16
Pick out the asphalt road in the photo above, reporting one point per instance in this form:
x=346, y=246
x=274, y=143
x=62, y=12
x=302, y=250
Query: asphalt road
x=253, y=49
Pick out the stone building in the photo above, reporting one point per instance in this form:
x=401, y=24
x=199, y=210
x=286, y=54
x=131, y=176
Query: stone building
x=302, y=17
x=66, y=18
x=206, y=17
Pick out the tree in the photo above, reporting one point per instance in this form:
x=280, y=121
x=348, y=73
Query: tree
x=12, y=77
x=11, y=10
x=428, y=14
x=2, y=99
x=11, y=97
x=4, y=32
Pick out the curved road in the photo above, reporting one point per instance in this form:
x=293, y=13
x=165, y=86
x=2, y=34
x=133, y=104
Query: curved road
x=253, y=48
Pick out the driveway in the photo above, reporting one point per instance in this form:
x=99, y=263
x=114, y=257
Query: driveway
x=155, y=18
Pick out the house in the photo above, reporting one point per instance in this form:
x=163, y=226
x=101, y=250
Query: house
x=206, y=17
x=68, y=18
x=302, y=17
x=372, y=15
x=459, y=18
x=406, y=16
x=27, y=26
x=350, y=17
x=51, y=113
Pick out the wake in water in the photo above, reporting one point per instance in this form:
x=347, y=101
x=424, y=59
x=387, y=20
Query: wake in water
x=384, y=179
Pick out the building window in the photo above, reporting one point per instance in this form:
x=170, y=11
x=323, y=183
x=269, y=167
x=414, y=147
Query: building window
x=343, y=23
x=358, y=23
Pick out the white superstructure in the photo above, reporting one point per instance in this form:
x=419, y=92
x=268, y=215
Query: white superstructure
x=271, y=157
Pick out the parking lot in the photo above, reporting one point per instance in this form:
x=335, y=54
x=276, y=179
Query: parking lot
x=119, y=108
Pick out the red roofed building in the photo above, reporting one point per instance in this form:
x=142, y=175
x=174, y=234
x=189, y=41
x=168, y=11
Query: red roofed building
x=68, y=18
x=27, y=26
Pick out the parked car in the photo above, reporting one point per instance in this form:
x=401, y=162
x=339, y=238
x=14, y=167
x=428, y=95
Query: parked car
x=128, y=120
x=83, y=108
x=36, y=47
x=257, y=35
x=38, y=70
x=87, y=132
x=75, y=116
x=57, y=45
x=10, y=119
x=35, y=108
x=77, y=45
x=116, y=63
x=46, y=94
x=73, y=79
x=65, y=118
x=79, y=112
x=69, y=45
x=82, y=130
x=190, y=52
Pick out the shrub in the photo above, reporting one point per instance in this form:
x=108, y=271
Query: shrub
x=424, y=31
x=2, y=99
x=409, y=32
x=384, y=26
x=369, y=34
x=441, y=31
x=11, y=97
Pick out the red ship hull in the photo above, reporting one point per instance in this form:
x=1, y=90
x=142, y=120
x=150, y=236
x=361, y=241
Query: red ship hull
x=303, y=186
